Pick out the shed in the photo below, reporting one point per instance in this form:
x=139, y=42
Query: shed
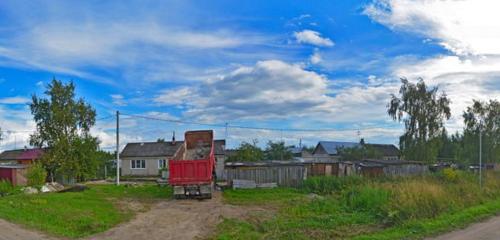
x=28, y=156
x=10, y=156
x=324, y=167
x=16, y=174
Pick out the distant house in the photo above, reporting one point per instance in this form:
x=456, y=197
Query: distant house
x=21, y=156
x=147, y=158
x=329, y=150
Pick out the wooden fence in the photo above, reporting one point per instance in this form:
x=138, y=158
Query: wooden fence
x=284, y=175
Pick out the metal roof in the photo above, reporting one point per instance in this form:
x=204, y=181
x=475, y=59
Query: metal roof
x=331, y=147
x=162, y=149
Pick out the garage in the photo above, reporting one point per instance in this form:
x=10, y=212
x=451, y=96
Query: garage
x=16, y=174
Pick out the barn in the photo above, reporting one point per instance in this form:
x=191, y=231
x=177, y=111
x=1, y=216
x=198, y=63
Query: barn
x=16, y=174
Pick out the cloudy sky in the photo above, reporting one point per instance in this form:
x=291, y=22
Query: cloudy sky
x=327, y=67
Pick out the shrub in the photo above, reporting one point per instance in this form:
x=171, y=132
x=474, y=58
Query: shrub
x=6, y=188
x=36, y=175
x=450, y=175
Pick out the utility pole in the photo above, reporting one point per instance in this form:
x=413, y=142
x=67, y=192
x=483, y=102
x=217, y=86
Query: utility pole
x=480, y=157
x=225, y=132
x=117, y=148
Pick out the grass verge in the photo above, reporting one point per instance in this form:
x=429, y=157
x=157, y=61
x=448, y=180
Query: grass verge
x=78, y=214
x=357, y=208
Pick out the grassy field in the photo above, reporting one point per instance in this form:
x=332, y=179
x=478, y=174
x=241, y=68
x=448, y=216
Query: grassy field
x=358, y=208
x=79, y=214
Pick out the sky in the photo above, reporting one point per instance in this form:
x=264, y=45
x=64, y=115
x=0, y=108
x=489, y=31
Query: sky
x=324, y=69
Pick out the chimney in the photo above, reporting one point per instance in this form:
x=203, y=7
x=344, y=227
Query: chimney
x=173, y=138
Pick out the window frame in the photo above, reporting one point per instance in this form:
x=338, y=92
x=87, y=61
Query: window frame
x=164, y=161
x=133, y=164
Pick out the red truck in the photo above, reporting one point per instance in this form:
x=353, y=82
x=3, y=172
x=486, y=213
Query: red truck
x=192, y=168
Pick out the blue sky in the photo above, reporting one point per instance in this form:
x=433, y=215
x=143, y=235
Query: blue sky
x=300, y=65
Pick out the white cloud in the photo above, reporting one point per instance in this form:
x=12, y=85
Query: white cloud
x=469, y=29
x=118, y=100
x=315, y=58
x=313, y=38
x=464, y=27
x=14, y=100
x=277, y=90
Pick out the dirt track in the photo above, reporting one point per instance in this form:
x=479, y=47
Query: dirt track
x=488, y=230
x=175, y=219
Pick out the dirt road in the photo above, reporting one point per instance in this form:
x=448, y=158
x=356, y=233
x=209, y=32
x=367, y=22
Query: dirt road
x=9, y=231
x=175, y=219
x=488, y=230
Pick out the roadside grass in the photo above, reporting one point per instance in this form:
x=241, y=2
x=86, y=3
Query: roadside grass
x=78, y=214
x=359, y=208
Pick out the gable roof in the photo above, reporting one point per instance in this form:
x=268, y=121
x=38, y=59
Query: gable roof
x=151, y=149
x=21, y=154
x=386, y=149
x=10, y=155
x=30, y=154
x=331, y=146
x=163, y=149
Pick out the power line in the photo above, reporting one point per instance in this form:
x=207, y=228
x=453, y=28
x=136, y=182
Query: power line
x=226, y=125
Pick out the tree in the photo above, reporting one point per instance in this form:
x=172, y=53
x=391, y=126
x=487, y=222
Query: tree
x=277, y=151
x=247, y=152
x=423, y=112
x=63, y=127
x=484, y=117
x=160, y=140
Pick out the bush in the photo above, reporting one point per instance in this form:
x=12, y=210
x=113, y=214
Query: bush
x=6, y=188
x=36, y=175
x=330, y=184
x=450, y=175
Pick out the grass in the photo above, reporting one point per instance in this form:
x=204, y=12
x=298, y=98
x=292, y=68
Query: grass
x=358, y=208
x=78, y=214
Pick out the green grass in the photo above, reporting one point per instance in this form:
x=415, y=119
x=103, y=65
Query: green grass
x=77, y=214
x=356, y=208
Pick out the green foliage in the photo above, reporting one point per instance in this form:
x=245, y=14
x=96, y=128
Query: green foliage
x=6, y=188
x=36, y=175
x=389, y=208
x=277, y=151
x=247, y=152
x=451, y=175
x=63, y=126
x=423, y=112
x=78, y=214
x=330, y=184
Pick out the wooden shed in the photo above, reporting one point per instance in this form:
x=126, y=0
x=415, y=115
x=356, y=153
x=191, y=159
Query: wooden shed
x=16, y=174
x=322, y=167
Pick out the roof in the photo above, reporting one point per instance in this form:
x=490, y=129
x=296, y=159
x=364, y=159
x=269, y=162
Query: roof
x=151, y=149
x=10, y=154
x=331, y=147
x=163, y=149
x=30, y=154
x=386, y=149
x=21, y=154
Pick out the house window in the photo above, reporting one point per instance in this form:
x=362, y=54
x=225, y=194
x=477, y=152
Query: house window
x=138, y=164
x=162, y=163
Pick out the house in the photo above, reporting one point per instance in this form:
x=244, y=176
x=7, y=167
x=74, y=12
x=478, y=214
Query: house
x=329, y=150
x=148, y=158
x=300, y=153
x=21, y=156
